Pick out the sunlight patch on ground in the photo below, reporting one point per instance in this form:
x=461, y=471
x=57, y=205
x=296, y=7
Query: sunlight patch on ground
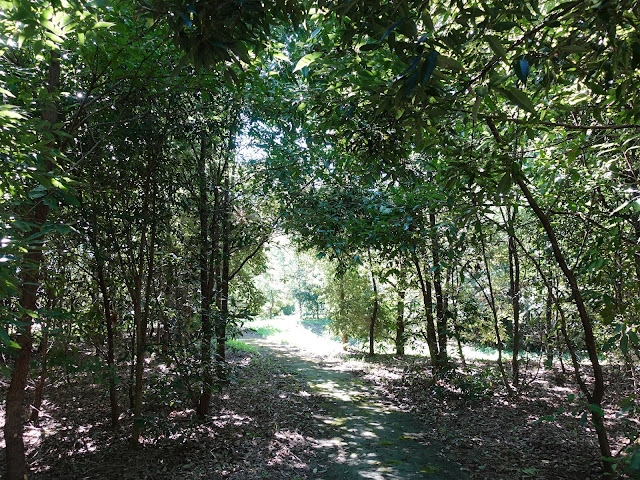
x=288, y=330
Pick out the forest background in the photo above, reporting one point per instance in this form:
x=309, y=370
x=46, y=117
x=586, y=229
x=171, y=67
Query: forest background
x=469, y=169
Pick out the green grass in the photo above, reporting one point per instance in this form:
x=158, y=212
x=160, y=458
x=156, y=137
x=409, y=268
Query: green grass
x=266, y=331
x=241, y=346
x=316, y=325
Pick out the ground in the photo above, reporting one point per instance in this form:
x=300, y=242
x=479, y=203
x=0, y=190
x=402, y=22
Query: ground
x=298, y=407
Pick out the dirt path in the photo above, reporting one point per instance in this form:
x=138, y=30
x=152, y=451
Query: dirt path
x=360, y=434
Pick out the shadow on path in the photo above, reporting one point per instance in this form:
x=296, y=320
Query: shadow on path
x=360, y=434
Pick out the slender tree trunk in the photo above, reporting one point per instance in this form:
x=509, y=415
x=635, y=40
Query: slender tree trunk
x=132, y=360
x=491, y=300
x=30, y=279
x=455, y=320
x=425, y=288
x=171, y=286
x=139, y=345
x=110, y=318
x=597, y=395
x=223, y=314
x=514, y=293
x=374, y=313
x=341, y=311
x=141, y=317
x=400, y=339
x=38, y=394
x=206, y=284
x=441, y=314
x=456, y=330
x=549, y=337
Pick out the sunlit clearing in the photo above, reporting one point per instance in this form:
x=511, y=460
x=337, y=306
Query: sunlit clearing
x=288, y=330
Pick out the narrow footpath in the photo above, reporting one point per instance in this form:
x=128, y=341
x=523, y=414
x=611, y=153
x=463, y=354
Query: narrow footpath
x=360, y=434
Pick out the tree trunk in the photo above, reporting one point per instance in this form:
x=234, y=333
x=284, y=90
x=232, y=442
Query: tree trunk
x=514, y=293
x=30, y=279
x=400, y=339
x=491, y=300
x=223, y=287
x=171, y=286
x=597, y=395
x=38, y=394
x=206, y=284
x=441, y=314
x=550, y=341
x=110, y=319
x=425, y=288
x=374, y=316
x=141, y=317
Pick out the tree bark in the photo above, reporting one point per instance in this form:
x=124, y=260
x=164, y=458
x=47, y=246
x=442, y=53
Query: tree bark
x=30, y=279
x=141, y=317
x=514, y=293
x=400, y=339
x=374, y=315
x=550, y=341
x=206, y=284
x=38, y=394
x=223, y=287
x=374, y=312
x=491, y=300
x=110, y=318
x=441, y=314
x=432, y=341
x=595, y=398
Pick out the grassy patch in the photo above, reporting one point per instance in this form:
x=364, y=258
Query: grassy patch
x=317, y=325
x=241, y=346
x=266, y=331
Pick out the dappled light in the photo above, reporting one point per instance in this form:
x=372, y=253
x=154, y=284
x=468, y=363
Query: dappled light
x=320, y=240
x=358, y=433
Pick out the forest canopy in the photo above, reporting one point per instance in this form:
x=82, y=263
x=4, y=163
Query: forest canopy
x=468, y=172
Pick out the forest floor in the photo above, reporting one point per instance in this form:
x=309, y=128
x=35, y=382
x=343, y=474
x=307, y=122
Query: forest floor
x=299, y=408
x=541, y=434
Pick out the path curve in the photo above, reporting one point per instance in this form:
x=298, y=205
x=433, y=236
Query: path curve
x=360, y=435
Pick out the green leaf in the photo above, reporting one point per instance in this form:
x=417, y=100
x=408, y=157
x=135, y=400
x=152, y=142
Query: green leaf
x=104, y=25
x=476, y=107
x=307, y=60
x=241, y=51
x=38, y=192
x=518, y=98
x=634, y=463
x=623, y=206
x=597, y=409
x=624, y=344
x=429, y=65
x=7, y=111
x=496, y=46
x=449, y=63
x=505, y=184
x=392, y=28
x=4, y=336
x=7, y=93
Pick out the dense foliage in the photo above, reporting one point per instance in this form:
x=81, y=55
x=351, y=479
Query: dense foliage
x=470, y=169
